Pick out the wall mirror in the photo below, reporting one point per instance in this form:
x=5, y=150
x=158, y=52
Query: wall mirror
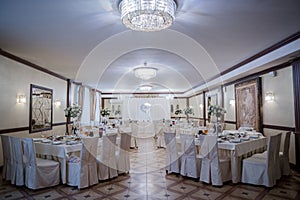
x=41, y=109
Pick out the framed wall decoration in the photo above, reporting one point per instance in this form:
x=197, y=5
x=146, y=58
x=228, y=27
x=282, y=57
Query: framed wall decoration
x=248, y=104
x=41, y=107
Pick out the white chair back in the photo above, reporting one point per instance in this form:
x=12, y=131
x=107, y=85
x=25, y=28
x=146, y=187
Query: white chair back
x=107, y=163
x=188, y=159
x=210, y=169
x=17, y=163
x=284, y=156
x=39, y=173
x=172, y=158
x=123, y=160
x=88, y=163
x=7, y=157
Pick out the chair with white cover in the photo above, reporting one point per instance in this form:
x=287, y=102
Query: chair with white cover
x=190, y=161
x=260, y=170
x=106, y=161
x=284, y=156
x=134, y=135
x=39, y=173
x=159, y=133
x=172, y=158
x=7, y=157
x=17, y=170
x=122, y=155
x=82, y=172
x=214, y=170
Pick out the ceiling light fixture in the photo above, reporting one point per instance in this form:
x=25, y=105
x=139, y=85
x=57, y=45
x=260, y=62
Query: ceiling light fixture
x=145, y=88
x=147, y=15
x=145, y=73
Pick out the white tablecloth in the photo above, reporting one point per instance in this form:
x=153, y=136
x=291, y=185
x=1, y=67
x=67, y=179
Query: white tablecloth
x=236, y=151
x=60, y=151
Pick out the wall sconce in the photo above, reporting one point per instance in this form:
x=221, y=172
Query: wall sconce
x=21, y=99
x=232, y=102
x=269, y=96
x=57, y=103
x=201, y=106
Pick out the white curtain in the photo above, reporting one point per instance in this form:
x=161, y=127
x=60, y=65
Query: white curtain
x=85, y=116
x=97, y=111
x=146, y=109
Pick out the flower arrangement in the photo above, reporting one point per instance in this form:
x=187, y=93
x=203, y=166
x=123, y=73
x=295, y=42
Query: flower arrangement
x=216, y=110
x=117, y=112
x=188, y=111
x=73, y=111
x=105, y=112
x=178, y=112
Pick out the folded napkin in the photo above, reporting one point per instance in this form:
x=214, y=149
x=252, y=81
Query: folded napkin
x=46, y=141
x=74, y=159
x=71, y=142
x=237, y=140
x=56, y=142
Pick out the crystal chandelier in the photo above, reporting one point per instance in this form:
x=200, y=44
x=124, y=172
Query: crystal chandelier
x=147, y=15
x=145, y=73
x=145, y=88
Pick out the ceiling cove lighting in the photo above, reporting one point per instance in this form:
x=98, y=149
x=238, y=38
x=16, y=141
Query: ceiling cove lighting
x=145, y=73
x=147, y=15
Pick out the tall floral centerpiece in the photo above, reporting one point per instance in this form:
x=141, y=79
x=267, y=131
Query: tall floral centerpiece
x=178, y=112
x=188, y=111
x=74, y=112
x=216, y=113
x=104, y=113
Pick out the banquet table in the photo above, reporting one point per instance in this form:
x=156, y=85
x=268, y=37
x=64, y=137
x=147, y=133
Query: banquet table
x=236, y=151
x=60, y=151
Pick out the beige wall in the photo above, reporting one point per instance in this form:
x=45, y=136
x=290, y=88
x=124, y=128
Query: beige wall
x=15, y=79
x=280, y=111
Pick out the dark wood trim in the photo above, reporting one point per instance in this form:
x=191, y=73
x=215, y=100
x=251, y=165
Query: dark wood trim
x=278, y=45
x=68, y=102
x=260, y=73
x=12, y=130
x=30, y=64
x=276, y=127
x=204, y=107
x=229, y=122
x=296, y=83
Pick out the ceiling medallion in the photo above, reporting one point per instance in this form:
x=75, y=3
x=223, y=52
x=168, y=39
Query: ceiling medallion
x=147, y=15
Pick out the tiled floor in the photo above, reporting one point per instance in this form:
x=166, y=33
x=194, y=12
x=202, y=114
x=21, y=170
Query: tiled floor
x=148, y=180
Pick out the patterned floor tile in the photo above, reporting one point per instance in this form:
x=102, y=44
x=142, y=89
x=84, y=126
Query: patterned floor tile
x=48, y=195
x=245, y=193
x=205, y=194
x=12, y=195
x=272, y=197
x=88, y=195
x=110, y=189
x=282, y=192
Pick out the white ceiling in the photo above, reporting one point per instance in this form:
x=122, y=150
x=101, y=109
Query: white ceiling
x=85, y=40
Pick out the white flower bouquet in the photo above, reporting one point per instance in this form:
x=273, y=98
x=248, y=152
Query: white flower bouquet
x=188, y=111
x=105, y=112
x=216, y=110
x=73, y=111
